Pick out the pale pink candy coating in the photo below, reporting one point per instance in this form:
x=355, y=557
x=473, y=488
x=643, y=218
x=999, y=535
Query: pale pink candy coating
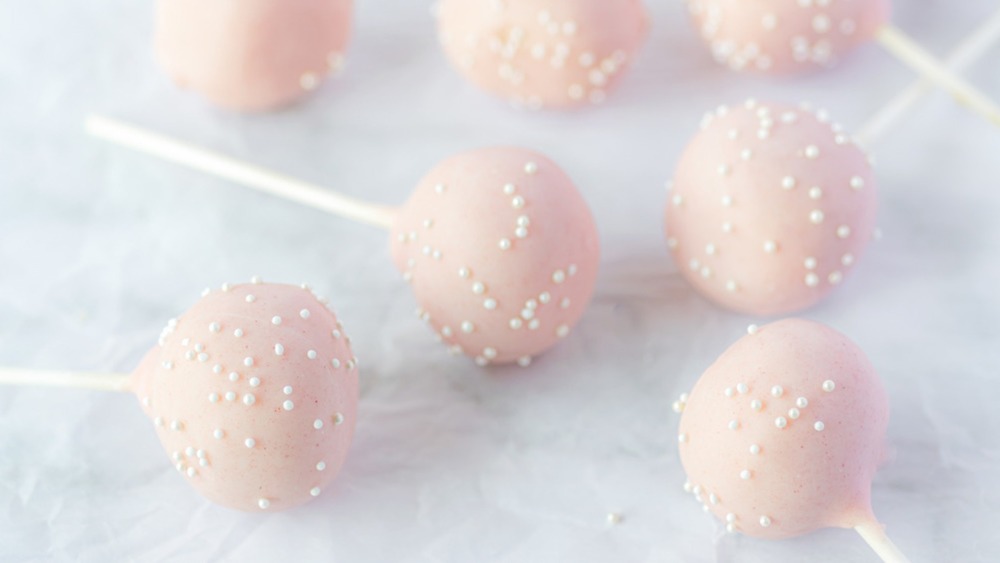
x=252, y=55
x=770, y=208
x=502, y=253
x=543, y=53
x=297, y=408
x=801, y=478
x=786, y=36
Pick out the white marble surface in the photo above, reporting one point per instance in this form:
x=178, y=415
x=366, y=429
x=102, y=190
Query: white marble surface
x=99, y=246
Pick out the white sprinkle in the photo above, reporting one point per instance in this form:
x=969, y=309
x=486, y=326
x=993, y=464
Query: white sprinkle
x=562, y=331
x=250, y=298
x=829, y=385
x=490, y=304
x=263, y=503
x=238, y=333
x=559, y=276
x=276, y=320
x=777, y=391
x=250, y=442
x=254, y=381
x=463, y=272
x=734, y=424
x=835, y=278
x=682, y=438
x=219, y=433
x=176, y=425
x=304, y=313
x=530, y=168
x=857, y=182
x=728, y=392
x=802, y=402
x=279, y=350
x=314, y=491
x=847, y=259
x=230, y=396
x=317, y=424
x=756, y=404
x=843, y=231
x=509, y=189
x=338, y=418
x=812, y=280
x=311, y=354
x=745, y=474
x=816, y=216
x=321, y=466
x=214, y=327
x=217, y=369
x=765, y=521
x=505, y=244
x=249, y=399
x=439, y=188
x=213, y=397
x=811, y=263
x=752, y=329
x=288, y=405
x=754, y=449
x=287, y=390
x=780, y=422
x=819, y=426
x=742, y=388
x=788, y=182
x=793, y=413
x=770, y=246
x=524, y=361
x=248, y=361
x=467, y=327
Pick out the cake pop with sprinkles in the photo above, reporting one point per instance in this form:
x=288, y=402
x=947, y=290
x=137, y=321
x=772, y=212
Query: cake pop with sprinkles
x=784, y=432
x=771, y=207
x=252, y=55
x=498, y=245
x=543, y=53
x=794, y=36
x=253, y=393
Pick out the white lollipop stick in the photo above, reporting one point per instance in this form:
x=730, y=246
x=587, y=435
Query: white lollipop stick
x=874, y=535
x=96, y=381
x=968, y=52
x=241, y=173
x=923, y=62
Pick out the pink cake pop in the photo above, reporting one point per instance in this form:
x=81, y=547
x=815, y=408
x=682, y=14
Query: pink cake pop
x=543, y=53
x=783, y=36
x=499, y=246
x=501, y=250
x=787, y=36
x=770, y=209
x=253, y=393
x=252, y=55
x=783, y=434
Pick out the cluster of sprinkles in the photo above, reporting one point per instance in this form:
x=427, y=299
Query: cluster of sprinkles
x=310, y=80
x=762, y=404
x=546, y=46
x=240, y=384
x=816, y=44
x=524, y=315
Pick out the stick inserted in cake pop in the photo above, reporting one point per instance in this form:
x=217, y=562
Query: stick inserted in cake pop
x=784, y=432
x=253, y=393
x=788, y=36
x=498, y=245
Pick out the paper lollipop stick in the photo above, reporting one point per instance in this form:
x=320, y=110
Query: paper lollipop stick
x=71, y=379
x=253, y=393
x=499, y=246
x=247, y=175
x=788, y=36
x=967, y=53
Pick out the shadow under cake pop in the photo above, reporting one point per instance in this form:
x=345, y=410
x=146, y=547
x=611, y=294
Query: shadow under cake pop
x=252, y=55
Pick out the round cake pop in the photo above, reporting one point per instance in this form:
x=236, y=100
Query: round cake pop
x=501, y=251
x=783, y=36
x=254, y=393
x=770, y=209
x=252, y=55
x=500, y=247
x=543, y=53
x=783, y=434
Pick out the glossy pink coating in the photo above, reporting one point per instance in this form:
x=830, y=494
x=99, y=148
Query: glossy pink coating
x=254, y=394
x=786, y=36
x=783, y=434
x=543, y=53
x=252, y=55
x=501, y=251
x=772, y=205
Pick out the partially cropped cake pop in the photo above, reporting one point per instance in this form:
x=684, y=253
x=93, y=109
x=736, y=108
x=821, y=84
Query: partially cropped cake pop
x=254, y=394
x=252, y=55
x=501, y=251
x=771, y=208
x=783, y=434
x=784, y=36
x=543, y=53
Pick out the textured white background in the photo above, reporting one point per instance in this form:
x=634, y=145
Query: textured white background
x=98, y=246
